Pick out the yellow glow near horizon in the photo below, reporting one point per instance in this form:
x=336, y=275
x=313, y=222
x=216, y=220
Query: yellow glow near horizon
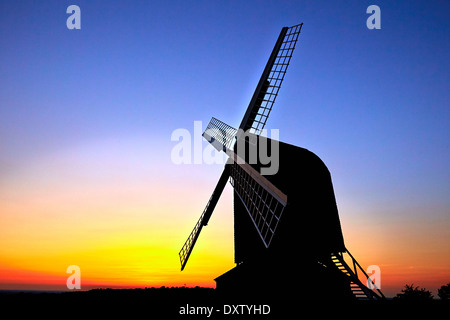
x=123, y=219
x=120, y=226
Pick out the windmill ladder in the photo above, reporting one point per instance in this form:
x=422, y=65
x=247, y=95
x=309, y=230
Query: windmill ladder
x=359, y=290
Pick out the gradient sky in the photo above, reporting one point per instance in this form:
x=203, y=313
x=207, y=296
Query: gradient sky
x=86, y=118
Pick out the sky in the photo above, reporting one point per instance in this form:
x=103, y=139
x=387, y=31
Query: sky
x=87, y=116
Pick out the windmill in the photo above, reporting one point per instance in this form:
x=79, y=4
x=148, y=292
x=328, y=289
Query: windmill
x=287, y=232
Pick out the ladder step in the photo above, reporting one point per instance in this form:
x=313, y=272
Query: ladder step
x=358, y=291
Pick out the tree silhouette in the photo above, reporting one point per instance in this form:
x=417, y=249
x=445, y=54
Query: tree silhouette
x=414, y=293
x=444, y=292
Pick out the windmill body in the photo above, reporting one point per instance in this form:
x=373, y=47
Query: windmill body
x=309, y=223
x=307, y=234
x=287, y=234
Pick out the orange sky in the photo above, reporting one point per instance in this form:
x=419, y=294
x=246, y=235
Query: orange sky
x=123, y=221
x=121, y=227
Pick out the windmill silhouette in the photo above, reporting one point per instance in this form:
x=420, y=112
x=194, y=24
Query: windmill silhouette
x=287, y=234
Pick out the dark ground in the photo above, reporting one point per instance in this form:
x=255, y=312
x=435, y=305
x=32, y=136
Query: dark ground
x=170, y=303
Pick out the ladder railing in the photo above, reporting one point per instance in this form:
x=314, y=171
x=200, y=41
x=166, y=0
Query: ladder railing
x=356, y=285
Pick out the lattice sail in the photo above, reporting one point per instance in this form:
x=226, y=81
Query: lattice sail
x=264, y=202
x=186, y=250
x=219, y=134
x=271, y=85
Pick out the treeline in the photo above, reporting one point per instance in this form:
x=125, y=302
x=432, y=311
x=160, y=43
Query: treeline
x=411, y=293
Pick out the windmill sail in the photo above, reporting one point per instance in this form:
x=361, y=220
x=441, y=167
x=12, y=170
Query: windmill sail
x=263, y=201
x=219, y=134
x=269, y=85
x=186, y=250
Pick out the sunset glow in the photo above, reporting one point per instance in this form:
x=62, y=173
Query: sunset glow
x=86, y=118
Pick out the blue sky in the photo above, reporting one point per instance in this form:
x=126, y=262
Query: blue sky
x=375, y=100
x=373, y=104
